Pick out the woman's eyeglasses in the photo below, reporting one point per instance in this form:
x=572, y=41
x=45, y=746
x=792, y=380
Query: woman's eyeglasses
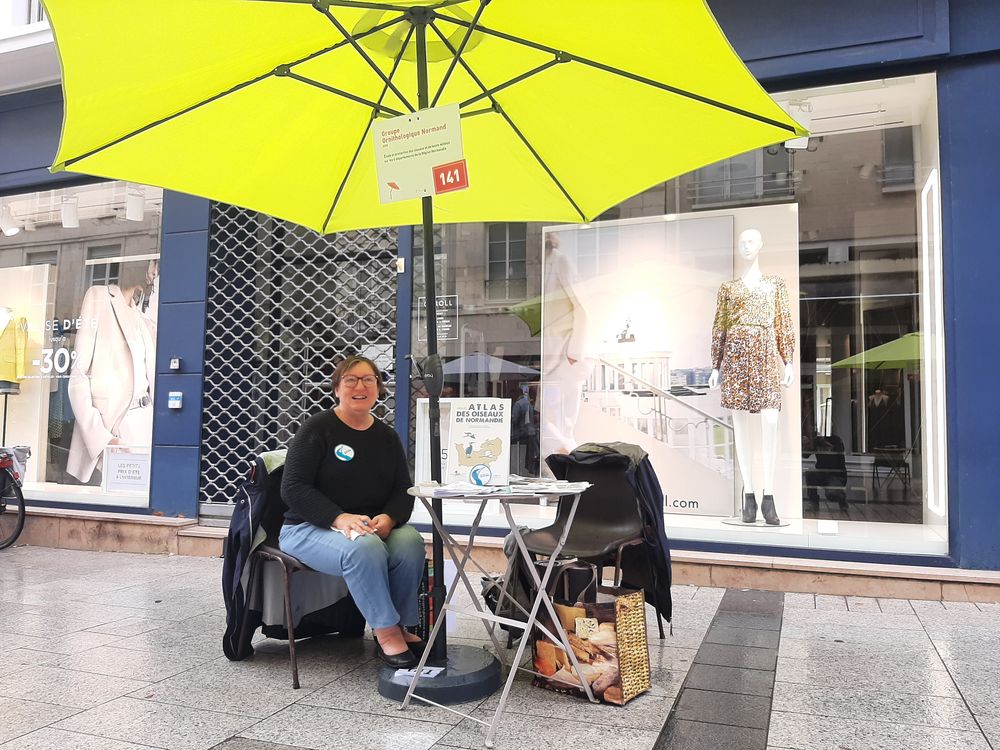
x=351, y=381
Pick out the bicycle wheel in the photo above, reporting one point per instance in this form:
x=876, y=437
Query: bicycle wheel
x=11, y=500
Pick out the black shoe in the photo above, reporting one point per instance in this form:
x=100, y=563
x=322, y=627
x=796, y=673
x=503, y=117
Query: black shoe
x=405, y=660
x=417, y=647
x=768, y=511
x=749, y=508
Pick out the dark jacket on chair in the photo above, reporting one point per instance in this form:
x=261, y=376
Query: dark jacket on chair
x=249, y=592
x=645, y=566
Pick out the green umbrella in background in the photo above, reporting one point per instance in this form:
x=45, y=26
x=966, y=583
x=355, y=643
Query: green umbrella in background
x=900, y=353
x=530, y=311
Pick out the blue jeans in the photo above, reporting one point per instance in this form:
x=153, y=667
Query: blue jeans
x=383, y=577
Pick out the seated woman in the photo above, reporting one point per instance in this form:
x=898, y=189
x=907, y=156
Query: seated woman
x=346, y=476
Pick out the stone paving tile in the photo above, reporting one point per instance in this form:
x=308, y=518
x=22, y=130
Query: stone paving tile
x=893, y=656
x=28, y=623
x=752, y=711
x=743, y=637
x=979, y=684
x=737, y=656
x=148, y=666
x=565, y=735
x=853, y=633
x=751, y=621
x=895, y=606
x=831, y=603
x=129, y=626
x=921, y=605
x=681, y=638
x=696, y=735
x=751, y=603
x=871, y=676
x=156, y=724
x=12, y=641
x=65, y=687
x=800, y=601
x=854, y=619
x=683, y=592
x=671, y=658
x=98, y=614
x=58, y=739
x=241, y=743
x=990, y=726
x=873, y=705
x=729, y=680
x=863, y=604
x=21, y=717
x=26, y=657
x=960, y=607
x=810, y=732
x=262, y=684
x=170, y=640
x=321, y=728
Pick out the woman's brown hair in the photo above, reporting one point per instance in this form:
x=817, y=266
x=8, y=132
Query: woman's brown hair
x=346, y=364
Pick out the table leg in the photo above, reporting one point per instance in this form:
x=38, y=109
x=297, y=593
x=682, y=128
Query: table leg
x=542, y=593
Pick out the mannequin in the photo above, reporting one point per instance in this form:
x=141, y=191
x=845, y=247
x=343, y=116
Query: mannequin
x=752, y=331
x=111, y=383
x=13, y=341
x=564, y=364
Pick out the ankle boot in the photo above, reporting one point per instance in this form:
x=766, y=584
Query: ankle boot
x=768, y=511
x=749, y=508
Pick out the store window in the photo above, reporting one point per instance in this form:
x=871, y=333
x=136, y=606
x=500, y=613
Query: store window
x=613, y=328
x=79, y=281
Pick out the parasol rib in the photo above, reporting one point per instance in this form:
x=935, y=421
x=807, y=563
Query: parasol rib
x=378, y=107
x=364, y=135
x=488, y=94
x=232, y=90
x=570, y=57
x=365, y=56
x=461, y=49
x=510, y=122
x=341, y=4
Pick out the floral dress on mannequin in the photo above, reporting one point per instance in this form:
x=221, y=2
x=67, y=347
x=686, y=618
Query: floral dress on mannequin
x=752, y=337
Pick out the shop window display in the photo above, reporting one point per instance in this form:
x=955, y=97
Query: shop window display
x=617, y=317
x=81, y=276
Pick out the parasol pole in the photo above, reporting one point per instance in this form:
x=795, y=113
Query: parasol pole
x=432, y=368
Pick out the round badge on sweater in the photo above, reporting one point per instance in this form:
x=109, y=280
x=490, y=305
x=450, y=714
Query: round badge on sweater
x=344, y=452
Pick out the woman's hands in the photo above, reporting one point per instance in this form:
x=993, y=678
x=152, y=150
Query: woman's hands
x=348, y=522
x=381, y=524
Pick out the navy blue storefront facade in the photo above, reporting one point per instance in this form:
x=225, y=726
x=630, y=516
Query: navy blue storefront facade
x=789, y=46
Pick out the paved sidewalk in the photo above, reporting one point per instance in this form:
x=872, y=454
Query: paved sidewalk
x=105, y=651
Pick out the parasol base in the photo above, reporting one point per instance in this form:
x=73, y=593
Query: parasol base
x=470, y=674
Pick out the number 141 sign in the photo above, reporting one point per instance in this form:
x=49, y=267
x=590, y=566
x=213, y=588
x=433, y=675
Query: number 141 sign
x=450, y=177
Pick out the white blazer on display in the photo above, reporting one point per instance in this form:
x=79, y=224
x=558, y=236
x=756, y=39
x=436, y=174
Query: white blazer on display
x=112, y=335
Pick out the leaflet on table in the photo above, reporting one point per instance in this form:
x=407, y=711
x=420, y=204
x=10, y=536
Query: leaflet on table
x=455, y=489
x=467, y=489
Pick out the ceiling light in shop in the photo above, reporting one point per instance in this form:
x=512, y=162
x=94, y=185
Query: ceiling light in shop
x=70, y=211
x=8, y=225
x=135, y=203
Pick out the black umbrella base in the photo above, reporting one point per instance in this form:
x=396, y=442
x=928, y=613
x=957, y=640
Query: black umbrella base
x=470, y=674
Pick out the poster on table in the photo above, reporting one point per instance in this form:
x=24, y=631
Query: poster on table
x=478, y=441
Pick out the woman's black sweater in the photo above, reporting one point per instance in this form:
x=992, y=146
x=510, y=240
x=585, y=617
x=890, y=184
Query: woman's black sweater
x=331, y=469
